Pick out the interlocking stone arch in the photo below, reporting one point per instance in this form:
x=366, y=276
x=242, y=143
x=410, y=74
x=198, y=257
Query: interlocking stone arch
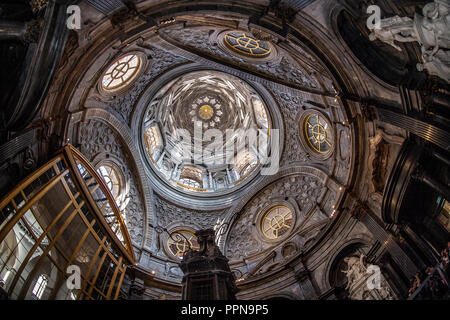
x=359, y=240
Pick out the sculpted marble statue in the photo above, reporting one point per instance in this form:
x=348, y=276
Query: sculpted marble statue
x=356, y=269
x=356, y=274
x=431, y=31
x=393, y=29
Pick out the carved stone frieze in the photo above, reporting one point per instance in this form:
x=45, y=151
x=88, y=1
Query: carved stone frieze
x=242, y=241
x=291, y=107
x=167, y=213
x=202, y=40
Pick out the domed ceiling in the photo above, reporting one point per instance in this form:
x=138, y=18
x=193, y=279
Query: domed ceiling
x=137, y=106
x=194, y=130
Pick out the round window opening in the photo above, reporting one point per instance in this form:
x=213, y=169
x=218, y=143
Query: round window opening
x=180, y=242
x=121, y=72
x=277, y=222
x=246, y=44
x=318, y=133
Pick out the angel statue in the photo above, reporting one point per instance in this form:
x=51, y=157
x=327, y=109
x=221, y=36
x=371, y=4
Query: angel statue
x=395, y=29
x=356, y=269
x=430, y=30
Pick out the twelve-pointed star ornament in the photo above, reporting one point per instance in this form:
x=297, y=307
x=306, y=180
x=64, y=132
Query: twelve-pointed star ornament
x=208, y=110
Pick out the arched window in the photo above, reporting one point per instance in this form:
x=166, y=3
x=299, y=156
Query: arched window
x=113, y=181
x=111, y=177
x=276, y=222
x=153, y=142
x=191, y=177
x=190, y=183
x=121, y=72
x=245, y=162
x=40, y=286
x=261, y=117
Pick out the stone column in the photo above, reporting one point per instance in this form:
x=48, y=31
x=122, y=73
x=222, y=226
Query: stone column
x=137, y=288
x=305, y=282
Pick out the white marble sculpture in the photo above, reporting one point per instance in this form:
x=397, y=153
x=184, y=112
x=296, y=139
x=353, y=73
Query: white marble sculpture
x=355, y=271
x=430, y=30
x=357, y=278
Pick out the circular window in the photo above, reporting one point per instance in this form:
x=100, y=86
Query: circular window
x=246, y=44
x=122, y=72
x=317, y=134
x=180, y=241
x=276, y=222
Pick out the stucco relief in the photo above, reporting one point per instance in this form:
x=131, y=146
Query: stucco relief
x=242, y=241
x=291, y=107
x=283, y=68
x=168, y=213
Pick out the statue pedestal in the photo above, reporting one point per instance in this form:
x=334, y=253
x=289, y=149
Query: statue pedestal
x=207, y=275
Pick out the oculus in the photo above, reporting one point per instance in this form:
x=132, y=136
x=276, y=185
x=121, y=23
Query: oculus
x=121, y=72
x=317, y=133
x=181, y=241
x=276, y=222
x=246, y=44
x=206, y=112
